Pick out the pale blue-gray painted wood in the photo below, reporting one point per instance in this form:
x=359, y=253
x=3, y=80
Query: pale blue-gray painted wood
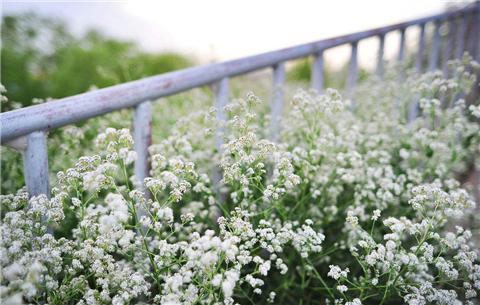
x=277, y=101
x=414, y=104
x=142, y=136
x=412, y=110
x=317, y=72
x=470, y=34
x=473, y=39
x=35, y=164
x=401, y=77
x=477, y=32
x=435, y=48
x=421, y=49
x=447, y=56
x=460, y=37
x=380, y=55
x=352, y=69
x=401, y=48
x=222, y=92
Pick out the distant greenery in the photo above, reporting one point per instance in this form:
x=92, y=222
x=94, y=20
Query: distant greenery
x=333, y=78
x=41, y=58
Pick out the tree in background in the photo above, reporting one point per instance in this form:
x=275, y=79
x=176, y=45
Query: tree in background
x=40, y=58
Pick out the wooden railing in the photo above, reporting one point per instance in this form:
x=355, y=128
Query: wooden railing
x=30, y=124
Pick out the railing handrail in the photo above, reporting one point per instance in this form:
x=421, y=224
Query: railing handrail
x=73, y=109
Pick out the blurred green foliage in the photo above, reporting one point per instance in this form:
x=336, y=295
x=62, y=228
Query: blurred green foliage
x=40, y=58
x=302, y=69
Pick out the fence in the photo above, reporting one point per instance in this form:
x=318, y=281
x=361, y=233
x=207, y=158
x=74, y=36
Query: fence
x=31, y=124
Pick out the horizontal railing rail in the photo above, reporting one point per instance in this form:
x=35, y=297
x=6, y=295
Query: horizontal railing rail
x=34, y=121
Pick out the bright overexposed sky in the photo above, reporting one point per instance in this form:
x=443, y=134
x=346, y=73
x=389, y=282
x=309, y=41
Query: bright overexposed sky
x=213, y=30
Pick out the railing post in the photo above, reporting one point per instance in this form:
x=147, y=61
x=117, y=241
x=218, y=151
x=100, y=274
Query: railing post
x=477, y=33
x=413, y=106
x=435, y=51
x=452, y=29
x=469, y=45
x=317, y=72
x=413, y=110
x=381, y=50
x=221, y=100
x=401, y=49
x=35, y=164
x=421, y=49
x=277, y=100
x=473, y=38
x=460, y=43
x=352, y=69
x=142, y=136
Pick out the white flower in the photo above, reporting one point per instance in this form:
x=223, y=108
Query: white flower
x=217, y=279
x=376, y=215
x=475, y=110
x=352, y=219
x=336, y=272
x=355, y=301
x=271, y=297
x=264, y=268
x=342, y=288
x=76, y=202
x=229, y=282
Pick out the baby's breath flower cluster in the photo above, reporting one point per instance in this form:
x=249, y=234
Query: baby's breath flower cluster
x=353, y=205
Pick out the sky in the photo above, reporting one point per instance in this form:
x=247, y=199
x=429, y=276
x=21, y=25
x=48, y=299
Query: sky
x=215, y=30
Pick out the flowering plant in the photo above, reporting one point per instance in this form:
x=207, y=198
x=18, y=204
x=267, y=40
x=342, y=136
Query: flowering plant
x=354, y=205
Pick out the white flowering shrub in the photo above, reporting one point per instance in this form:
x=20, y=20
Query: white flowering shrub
x=353, y=206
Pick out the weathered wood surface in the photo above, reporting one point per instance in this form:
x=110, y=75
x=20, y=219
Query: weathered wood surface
x=277, y=101
x=35, y=164
x=142, y=137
